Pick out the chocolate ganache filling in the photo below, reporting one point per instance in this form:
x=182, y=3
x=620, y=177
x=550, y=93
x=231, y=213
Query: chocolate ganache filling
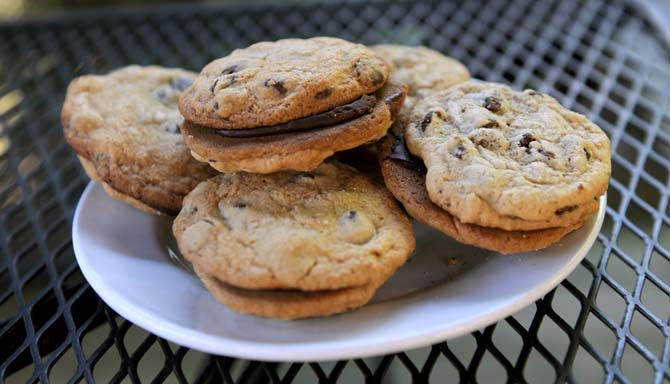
x=400, y=153
x=340, y=114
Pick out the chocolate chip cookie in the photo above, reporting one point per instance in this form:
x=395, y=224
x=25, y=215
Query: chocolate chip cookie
x=506, y=159
x=422, y=68
x=271, y=83
x=300, y=150
x=288, y=105
x=126, y=126
x=405, y=177
x=321, y=231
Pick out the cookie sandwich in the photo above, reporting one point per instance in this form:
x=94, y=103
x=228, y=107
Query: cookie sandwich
x=293, y=244
x=125, y=128
x=419, y=68
x=288, y=105
x=496, y=168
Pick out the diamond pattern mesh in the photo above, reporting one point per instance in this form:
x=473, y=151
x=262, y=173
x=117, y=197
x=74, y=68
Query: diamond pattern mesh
x=609, y=321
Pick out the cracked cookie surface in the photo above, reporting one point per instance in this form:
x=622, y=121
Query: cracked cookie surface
x=331, y=228
x=507, y=159
x=127, y=126
x=270, y=83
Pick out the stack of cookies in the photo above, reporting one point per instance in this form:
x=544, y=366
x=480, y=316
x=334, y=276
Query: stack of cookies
x=289, y=244
x=288, y=105
x=496, y=168
x=274, y=225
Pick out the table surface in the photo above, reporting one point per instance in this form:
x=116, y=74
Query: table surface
x=609, y=321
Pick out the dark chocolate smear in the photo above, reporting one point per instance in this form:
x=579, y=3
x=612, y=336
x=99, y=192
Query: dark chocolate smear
x=399, y=152
x=392, y=98
x=337, y=115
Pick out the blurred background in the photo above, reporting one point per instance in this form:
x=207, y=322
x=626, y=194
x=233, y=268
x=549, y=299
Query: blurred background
x=16, y=9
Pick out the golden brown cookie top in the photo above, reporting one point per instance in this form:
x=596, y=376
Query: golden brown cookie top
x=502, y=158
x=422, y=68
x=327, y=229
x=270, y=83
x=126, y=123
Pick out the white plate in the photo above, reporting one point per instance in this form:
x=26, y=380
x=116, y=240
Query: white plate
x=122, y=252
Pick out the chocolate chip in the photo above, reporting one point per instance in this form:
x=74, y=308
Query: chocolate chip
x=175, y=129
x=214, y=86
x=181, y=83
x=525, y=141
x=426, y=121
x=351, y=215
x=278, y=85
x=587, y=153
x=323, y=94
x=162, y=94
x=216, y=105
x=492, y=104
x=566, y=209
x=547, y=154
x=491, y=124
x=240, y=204
x=230, y=69
x=459, y=151
x=580, y=187
x=377, y=77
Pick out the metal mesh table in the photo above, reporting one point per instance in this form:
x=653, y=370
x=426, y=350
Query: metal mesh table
x=610, y=320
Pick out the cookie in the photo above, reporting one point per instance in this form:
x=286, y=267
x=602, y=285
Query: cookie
x=405, y=177
x=292, y=304
x=300, y=150
x=271, y=83
x=89, y=168
x=512, y=160
x=422, y=68
x=328, y=229
x=126, y=126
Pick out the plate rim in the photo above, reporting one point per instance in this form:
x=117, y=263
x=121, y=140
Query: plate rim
x=310, y=352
